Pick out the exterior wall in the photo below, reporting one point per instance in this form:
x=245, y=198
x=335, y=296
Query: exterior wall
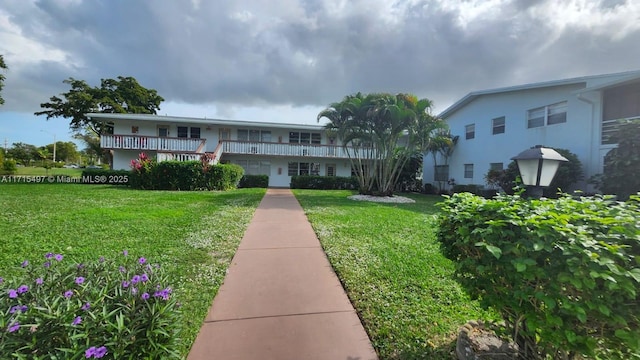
x=577, y=134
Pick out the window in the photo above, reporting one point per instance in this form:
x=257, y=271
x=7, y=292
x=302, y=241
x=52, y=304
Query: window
x=468, y=171
x=303, y=168
x=183, y=131
x=195, y=132
x=163, y=131
x=186, y=132
x=255, y=167
x=225, y=134
x=304, y=138
x=254, y=135
x=441, y=173
x=496, y=166
x=470, y=131
x=498, y=125
x=549, y=115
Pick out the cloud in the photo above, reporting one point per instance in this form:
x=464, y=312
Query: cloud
x=297, y=53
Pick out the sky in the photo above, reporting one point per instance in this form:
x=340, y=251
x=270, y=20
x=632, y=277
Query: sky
x=285, y=61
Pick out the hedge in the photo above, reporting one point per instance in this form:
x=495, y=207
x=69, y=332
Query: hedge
x=254, y=181
x=185, y=175
x=564, y=273
x=323, y=182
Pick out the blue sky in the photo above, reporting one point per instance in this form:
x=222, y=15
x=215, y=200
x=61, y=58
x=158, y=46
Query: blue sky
x=285, y=61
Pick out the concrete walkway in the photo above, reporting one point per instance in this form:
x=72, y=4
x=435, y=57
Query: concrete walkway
x=281, y=299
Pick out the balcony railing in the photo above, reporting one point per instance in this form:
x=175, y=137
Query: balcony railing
x=609, y=133
x=287, y=149
x=166, y=144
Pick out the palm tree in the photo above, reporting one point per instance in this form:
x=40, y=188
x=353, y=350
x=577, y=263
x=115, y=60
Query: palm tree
x=380, y=133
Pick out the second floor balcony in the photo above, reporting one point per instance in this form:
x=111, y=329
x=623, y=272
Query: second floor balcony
x=152, y=143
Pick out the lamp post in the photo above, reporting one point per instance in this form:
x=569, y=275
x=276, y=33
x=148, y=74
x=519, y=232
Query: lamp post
x=54, y=144
x=538, y=166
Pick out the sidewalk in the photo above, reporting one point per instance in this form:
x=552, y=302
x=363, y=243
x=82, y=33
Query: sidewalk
x=281, y=299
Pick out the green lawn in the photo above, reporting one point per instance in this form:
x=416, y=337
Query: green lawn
x=389, y=262
x=40, y=171
x=193, y=234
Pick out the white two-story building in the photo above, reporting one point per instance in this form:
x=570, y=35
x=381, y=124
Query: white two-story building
x=274, y=149
x=578, y=114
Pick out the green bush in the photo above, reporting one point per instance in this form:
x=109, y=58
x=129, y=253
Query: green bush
x=471, y=188
x=183, y=175
x=254, y=181
x=57, y=309
x=622, y=164
x=563, y=273
x=323, y=182
x=9, y=166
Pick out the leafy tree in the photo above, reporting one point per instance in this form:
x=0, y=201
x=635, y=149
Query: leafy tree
x=3, y=66
x=124, y=95
x=65, y=151
x=622, y=164
x=568, y=174
x=92, y=147
x=441, y=145
x=23, y=153
x=380, y=133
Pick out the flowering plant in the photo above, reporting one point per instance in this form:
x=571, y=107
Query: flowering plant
x=100, y=309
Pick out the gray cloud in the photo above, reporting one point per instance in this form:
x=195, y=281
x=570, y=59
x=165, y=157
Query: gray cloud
x=297, y=52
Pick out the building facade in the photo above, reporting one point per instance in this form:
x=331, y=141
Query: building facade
x=578, y=114
x=277, y=150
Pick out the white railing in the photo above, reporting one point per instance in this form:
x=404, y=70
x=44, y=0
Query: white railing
x=178, y=157
x=135, y=142
x=610, y=130
x=287, y=149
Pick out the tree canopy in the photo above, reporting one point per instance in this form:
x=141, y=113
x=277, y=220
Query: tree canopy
x=121, y=95
x=380, y=132
x=3, y=66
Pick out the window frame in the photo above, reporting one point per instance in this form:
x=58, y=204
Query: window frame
x=470, y=131
x=547, y=115
x=498, y=128
x=468, y=171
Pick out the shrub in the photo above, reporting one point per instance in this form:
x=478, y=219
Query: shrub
x=183, y=175
x=62, y=310
x=323, y=182
x=567, y=175
x=622, y=164
x=563, y=273
x=254, y=181
x=9, y=166
x=471, y=188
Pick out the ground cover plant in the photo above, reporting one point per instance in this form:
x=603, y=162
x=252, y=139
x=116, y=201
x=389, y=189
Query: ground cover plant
x=391, y=266
x=192, y=235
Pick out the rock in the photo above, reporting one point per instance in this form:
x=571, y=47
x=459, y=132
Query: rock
x=476, y=342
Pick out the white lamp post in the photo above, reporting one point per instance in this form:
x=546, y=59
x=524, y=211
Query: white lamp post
x=538, y=166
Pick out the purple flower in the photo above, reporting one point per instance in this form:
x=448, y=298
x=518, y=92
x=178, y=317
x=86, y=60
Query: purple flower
x=13, y=294
x=135, y=279
x=79, y=280
x=21, y=308
x=48, y=255
x=90, y=352
x=164, y=294
x=68, y=294
x=58, y=257
x=23, y=289
x=125, y=252
x=86, y=306
x=125, y=284
x=24, y=308
x=134, y=291
x=1, y=280
x=100, y=352
x=144, y=278
x=77, y=321
x=14, y=327
x=80, y=266
x=47, y=264
x=142, y=260
x=101, y=259
x=25, y=263
x=122, y=269
x=145, y=296
x=39, y=281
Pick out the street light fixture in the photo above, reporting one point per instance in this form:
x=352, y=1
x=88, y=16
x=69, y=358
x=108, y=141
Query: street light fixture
x=538, y=166
x=54, y=144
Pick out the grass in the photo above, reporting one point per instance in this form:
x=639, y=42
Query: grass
x=389, y=261
x=193, y=234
